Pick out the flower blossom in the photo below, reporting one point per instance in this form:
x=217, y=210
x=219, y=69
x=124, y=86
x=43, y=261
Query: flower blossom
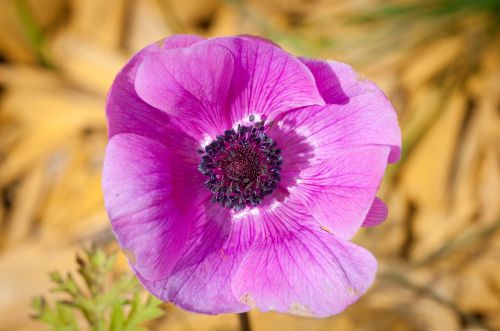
x=236, y=175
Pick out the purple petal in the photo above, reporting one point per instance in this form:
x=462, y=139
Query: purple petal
x=190, y=82
x=125, y=111
x=332, y=127
x=340, y=191
x=201, y=280
x=266, y=80
x=375, y=120
x=307, y=273
x=338, y=155
x=270, y=257
x=179, y=41
x=377, y=213
x=145, y=196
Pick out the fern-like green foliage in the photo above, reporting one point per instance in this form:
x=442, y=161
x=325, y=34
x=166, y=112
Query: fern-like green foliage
x=96, y=299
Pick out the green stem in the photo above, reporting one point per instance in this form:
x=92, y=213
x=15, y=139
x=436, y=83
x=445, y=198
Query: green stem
x=244, y=322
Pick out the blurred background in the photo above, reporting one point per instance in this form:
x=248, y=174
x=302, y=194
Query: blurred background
x=437, y=60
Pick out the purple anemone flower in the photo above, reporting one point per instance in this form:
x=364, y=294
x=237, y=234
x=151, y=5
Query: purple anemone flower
x=236, y=174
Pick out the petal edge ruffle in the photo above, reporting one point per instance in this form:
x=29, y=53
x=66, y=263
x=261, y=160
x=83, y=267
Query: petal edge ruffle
x=141, y=202
x=311, y=274
x=190, y=83
x=341, y=85
x=377, y=213
x=125, y=111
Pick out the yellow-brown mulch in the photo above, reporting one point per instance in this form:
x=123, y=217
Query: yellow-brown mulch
x=439, y=251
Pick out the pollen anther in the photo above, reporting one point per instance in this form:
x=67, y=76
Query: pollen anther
x=242, y=165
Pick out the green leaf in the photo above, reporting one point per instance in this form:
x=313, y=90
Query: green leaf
x=117, y=318
x=106, y=301
x=145, y=312
x=56, y=277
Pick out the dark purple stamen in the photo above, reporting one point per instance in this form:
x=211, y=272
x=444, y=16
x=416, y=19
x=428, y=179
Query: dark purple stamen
x=243, y=165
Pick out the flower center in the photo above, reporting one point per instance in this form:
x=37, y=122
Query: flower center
x=242, y=165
